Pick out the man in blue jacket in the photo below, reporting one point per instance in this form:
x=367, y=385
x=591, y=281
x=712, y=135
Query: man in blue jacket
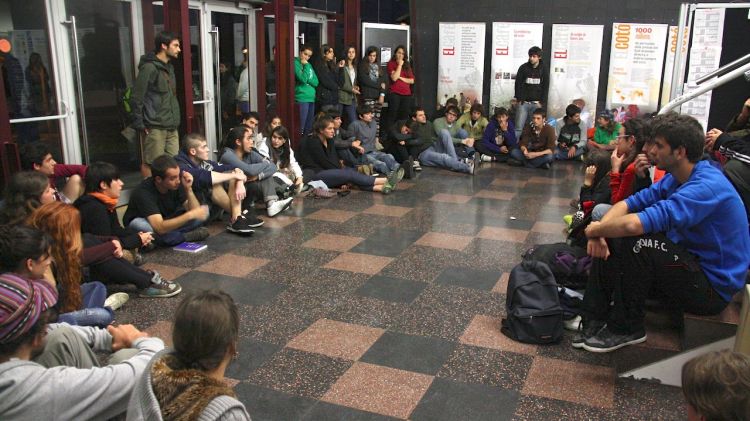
x=686, y=237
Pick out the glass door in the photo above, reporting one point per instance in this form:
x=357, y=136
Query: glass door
x=309, y=29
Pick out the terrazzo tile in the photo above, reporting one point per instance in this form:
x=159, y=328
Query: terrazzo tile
x=336, y=339
x=243, y=291
x=251, y=355
x=333, y=242
x=544, y=180
x=485, y=332
x=367, y=311
x=508, y=182
x=228, y=243
x=468, y=278
x=444, y=241
x=409, y=352
x=186, y=260
x=387, y=242
x=449, y=400
x=166, y=271
x=385, y=210
x=359, y=263
x=450, y=198
x=501, y=287
x=382, y=390
x=644, y=400
x=332, y=215
x=299, y=373
x=270, y=405
x=494, y=194
x=232, y=265
x=391, y=289
x=161, y=330
x=573, y=382
x=280, y=221
x=548, y=227
x=503, y=234
x=533, y=408
x=329, y=411
x=559, y=201
x=475, y=365
x=419, y=263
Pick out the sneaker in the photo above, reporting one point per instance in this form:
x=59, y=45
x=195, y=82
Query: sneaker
x=415, y=163
x=470, y=162
x=585, y=331
x=198, y=234
x=323, y=193
x=116, y=300
x=573, y=324
x=400, y=173
x=364, y=169
x=485, y=158
x=241, y=225
x=393, y=178
x=514, y=162
x=546, y=165
x=137, y=258
x=252, y=220
x=163, y=289
x=277, y=206
x=568, y=219
x=608, y=341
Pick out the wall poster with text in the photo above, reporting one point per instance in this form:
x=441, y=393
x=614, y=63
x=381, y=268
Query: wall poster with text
x=510, y=47
x=461, y=62
x=666, y=87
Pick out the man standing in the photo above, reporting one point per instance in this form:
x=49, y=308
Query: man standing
x=685, y=237
x=531, y=88
x=156, y=111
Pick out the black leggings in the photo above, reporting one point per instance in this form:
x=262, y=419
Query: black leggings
x=120, y=271
x=338, y=177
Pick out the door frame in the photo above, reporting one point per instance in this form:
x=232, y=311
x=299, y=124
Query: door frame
x=311, y=17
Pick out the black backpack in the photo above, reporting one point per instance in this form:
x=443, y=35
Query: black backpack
x=532, y=305
x=569, y=264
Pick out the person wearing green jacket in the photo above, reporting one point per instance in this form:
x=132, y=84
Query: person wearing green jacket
x=474, y=122
x=156, y=111
x=305, y=82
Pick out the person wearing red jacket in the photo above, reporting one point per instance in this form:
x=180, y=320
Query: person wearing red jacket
x=37, y=156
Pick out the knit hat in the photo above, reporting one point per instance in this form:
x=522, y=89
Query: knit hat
x=22, y=301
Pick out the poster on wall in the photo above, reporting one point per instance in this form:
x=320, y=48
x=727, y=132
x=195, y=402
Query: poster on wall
x=510, y=47
x=461, y=63
x=635, y=66
x=705, y=56
x=666, y=87
x=574, y=67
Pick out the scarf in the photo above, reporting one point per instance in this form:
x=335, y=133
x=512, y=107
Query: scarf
x=183, y=393
x=374, y=72
x=110, y=202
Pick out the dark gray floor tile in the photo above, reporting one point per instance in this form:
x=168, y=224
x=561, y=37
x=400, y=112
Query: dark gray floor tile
x=330, y=412
x=270, y=405
x=409, y=352
x=449, y=400
x=469, y=278
x=388, y=242
x=244, y=291
x=391, y=289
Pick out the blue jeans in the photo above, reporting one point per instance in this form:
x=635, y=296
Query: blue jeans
x=350, y=111
x=442, y=154
x=537, y=162
x=383, y=162
x=306, y=114
x=599, y=210
x=93, y=312
x=523, y=111
x=562, y=154
x=350, y=160
x=168, y=239
x=244, y=106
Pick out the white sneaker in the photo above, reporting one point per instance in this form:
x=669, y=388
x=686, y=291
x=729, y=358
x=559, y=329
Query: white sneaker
x=277, y=206
x=485, y=158
x=116, y=300
x=415, y=163
x=572, y=324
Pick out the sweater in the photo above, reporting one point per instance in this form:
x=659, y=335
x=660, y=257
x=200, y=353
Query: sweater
x=532, y=83
x=202, y=177
x=305, y=82
x=603, y=137
x=315, y=157
x=442, y=124
x=365, y=133
x=493, y=138
x=425, y=133
x=96, y=219
x=475, y=129
x=537, y=142
x=705, y=216
x=571, y=135
x=29, y=391
x=144, y=404
x=253, y=164
x=399, y=87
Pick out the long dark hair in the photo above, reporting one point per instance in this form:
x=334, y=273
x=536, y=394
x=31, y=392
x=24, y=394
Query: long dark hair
x=280, y=155
x=601, y=160
x=345, y=56
x=23, y=196
x=407, y=65
x=319, y=59
x=634, y=127
x=237, y=133
x=206, y=327
x=21, y=242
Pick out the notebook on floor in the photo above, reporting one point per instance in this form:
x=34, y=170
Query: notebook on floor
x=190, y=247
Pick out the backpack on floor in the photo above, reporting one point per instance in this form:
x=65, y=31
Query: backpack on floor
x=532, y=306
x=569, y=264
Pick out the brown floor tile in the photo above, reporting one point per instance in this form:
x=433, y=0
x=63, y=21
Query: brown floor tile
x=585, y=384
x=359, y=263
x=559, y=201
x=379, y=389
x=548, y=227
x=450, y=198
x=216, y=228
x=333, y=242
x=386, y=210
x=545, y=180
x=503, y=234
x=232, y=265
x=444, y=241
x=332, y=215
x=405, y=185
x=336, y=339
x=484, y=331
x=280, y=221
x=495, y=194
x=507, y=182
x=166, y=271
x=667, y=339
x=162, y=330
x=502, y=285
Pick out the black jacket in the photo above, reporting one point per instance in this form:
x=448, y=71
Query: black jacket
x=313, y=157
x=532, y=83
x=97, y=220
x=368, y=88
x=327, y=92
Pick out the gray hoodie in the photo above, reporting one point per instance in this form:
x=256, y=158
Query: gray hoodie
x=145, y=406
x=29, y=391
x=253, y=164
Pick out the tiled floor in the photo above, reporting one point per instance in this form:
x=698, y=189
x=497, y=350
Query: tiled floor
x=372, y=307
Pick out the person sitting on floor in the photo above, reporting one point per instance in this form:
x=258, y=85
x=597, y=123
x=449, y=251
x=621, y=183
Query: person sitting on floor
x=403, y=145
x=239, y=152
x=350, y=150
x=473, y=122
x=537, y=143
x=165, y=205
x=571, y=142
x=365, y=130
x=607, y=132
x=52, y=371
x=37, y=156
x=283, y=156
x=737, y=165
x=26, y=191
x=498, y=139
x=715, y=386
x=319, y=161
x=685, y=237
x=209, y=179
x=437, y=152
x=98, y=209
x=463, y=144
x=252, y=120
x=187, y=382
